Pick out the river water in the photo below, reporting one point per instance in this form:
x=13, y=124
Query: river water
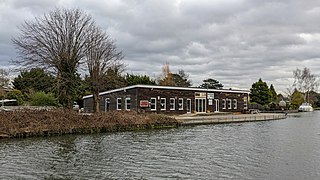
x=282, y=149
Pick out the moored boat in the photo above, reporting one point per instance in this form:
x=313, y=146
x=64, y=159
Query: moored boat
x=305, y=107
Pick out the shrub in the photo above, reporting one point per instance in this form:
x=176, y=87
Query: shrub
x=43, y=99
x=15, y=94
x=26, y=123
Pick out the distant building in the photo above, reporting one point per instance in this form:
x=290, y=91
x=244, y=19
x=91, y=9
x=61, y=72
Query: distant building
x=170, y=100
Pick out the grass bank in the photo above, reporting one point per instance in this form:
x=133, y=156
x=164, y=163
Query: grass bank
x=21, y=124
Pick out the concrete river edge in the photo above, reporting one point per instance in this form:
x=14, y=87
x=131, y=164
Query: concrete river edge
x=215, y=119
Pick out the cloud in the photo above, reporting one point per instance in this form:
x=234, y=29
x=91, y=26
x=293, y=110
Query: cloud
x=234, y=41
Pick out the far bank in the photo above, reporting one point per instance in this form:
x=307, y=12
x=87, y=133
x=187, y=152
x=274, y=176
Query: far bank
x=32, y=123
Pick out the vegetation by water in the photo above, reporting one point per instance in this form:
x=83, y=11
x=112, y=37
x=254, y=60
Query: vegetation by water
x=22, y=124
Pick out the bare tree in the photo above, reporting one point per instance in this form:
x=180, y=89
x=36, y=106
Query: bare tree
x=166, y=78
x=102, y=54
x=4, y=81
x=57, y=41
x=304, y=81
x=4, y=78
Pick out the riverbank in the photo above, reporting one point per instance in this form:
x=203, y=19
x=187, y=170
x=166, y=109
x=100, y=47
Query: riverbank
x=21, y=124
x=32, y=123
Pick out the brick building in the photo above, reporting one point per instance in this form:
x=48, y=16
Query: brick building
x=170, y=100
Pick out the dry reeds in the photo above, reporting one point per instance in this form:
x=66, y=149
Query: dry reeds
x=58, y=122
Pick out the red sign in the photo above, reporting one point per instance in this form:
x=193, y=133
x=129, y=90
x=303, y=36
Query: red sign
x=144, y=103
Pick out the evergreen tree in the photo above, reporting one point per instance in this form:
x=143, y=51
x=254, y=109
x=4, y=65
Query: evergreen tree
x=181, y=79
x=133, y=79
x=273, y=94
x=260, y=93
x=211, y=84
x=34, y=80
x=317, y=100
x=114, y=78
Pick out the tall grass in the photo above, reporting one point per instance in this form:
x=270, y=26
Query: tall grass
x=57, y=122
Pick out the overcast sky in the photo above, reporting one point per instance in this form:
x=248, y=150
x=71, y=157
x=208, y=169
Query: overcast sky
x=234, y=41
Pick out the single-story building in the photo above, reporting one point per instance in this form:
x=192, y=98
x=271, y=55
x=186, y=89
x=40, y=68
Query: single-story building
x=170, y=100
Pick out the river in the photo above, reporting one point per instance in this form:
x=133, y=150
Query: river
x=281, y=149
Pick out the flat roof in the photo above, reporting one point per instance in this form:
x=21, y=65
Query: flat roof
x=169, y=88
x=8, y=100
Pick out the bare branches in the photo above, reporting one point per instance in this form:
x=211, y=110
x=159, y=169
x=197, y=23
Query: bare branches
x=4, y=78
x=4, y=81
x=55, y=40
x=62, y=40
x=101, y=54
x=304, y=81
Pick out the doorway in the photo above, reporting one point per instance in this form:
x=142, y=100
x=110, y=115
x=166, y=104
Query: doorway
x=200, y=105
x=107, y=105
x=217, y=105
x=188, y=105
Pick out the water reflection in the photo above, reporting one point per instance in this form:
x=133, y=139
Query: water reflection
x=284, y=149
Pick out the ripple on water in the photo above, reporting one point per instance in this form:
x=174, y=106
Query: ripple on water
x=286, y=149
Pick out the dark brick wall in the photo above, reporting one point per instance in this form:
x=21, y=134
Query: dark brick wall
x=138, y=94
x=147, y=94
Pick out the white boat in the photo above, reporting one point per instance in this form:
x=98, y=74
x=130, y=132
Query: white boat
x=305, y=107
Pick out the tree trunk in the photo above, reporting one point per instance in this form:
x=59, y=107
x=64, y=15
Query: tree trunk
x=96, y=102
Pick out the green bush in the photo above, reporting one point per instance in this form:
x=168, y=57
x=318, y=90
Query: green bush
x=43, y=99
x=15, y=94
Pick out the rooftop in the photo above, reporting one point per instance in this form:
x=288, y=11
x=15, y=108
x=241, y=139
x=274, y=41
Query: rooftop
x=170, y=88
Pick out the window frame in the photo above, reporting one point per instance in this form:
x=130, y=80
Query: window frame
x=155, y=104
x=229, y=103
x=164, y=104
x=172, y=104
x=245, y=103
x=119, y=109
x=126, y=103
x=235, y=104
x=180, y=103
x=224, y=106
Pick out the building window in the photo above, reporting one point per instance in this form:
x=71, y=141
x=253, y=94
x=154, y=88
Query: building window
x=223, y=104
x=172, y=104
x=180, y=103
x=229, y=103
x=235, y=104
x=245, y=103
x=153, y=104
x=118, y=103
x=128, y=104
x=163, y=104
x=107, y=104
